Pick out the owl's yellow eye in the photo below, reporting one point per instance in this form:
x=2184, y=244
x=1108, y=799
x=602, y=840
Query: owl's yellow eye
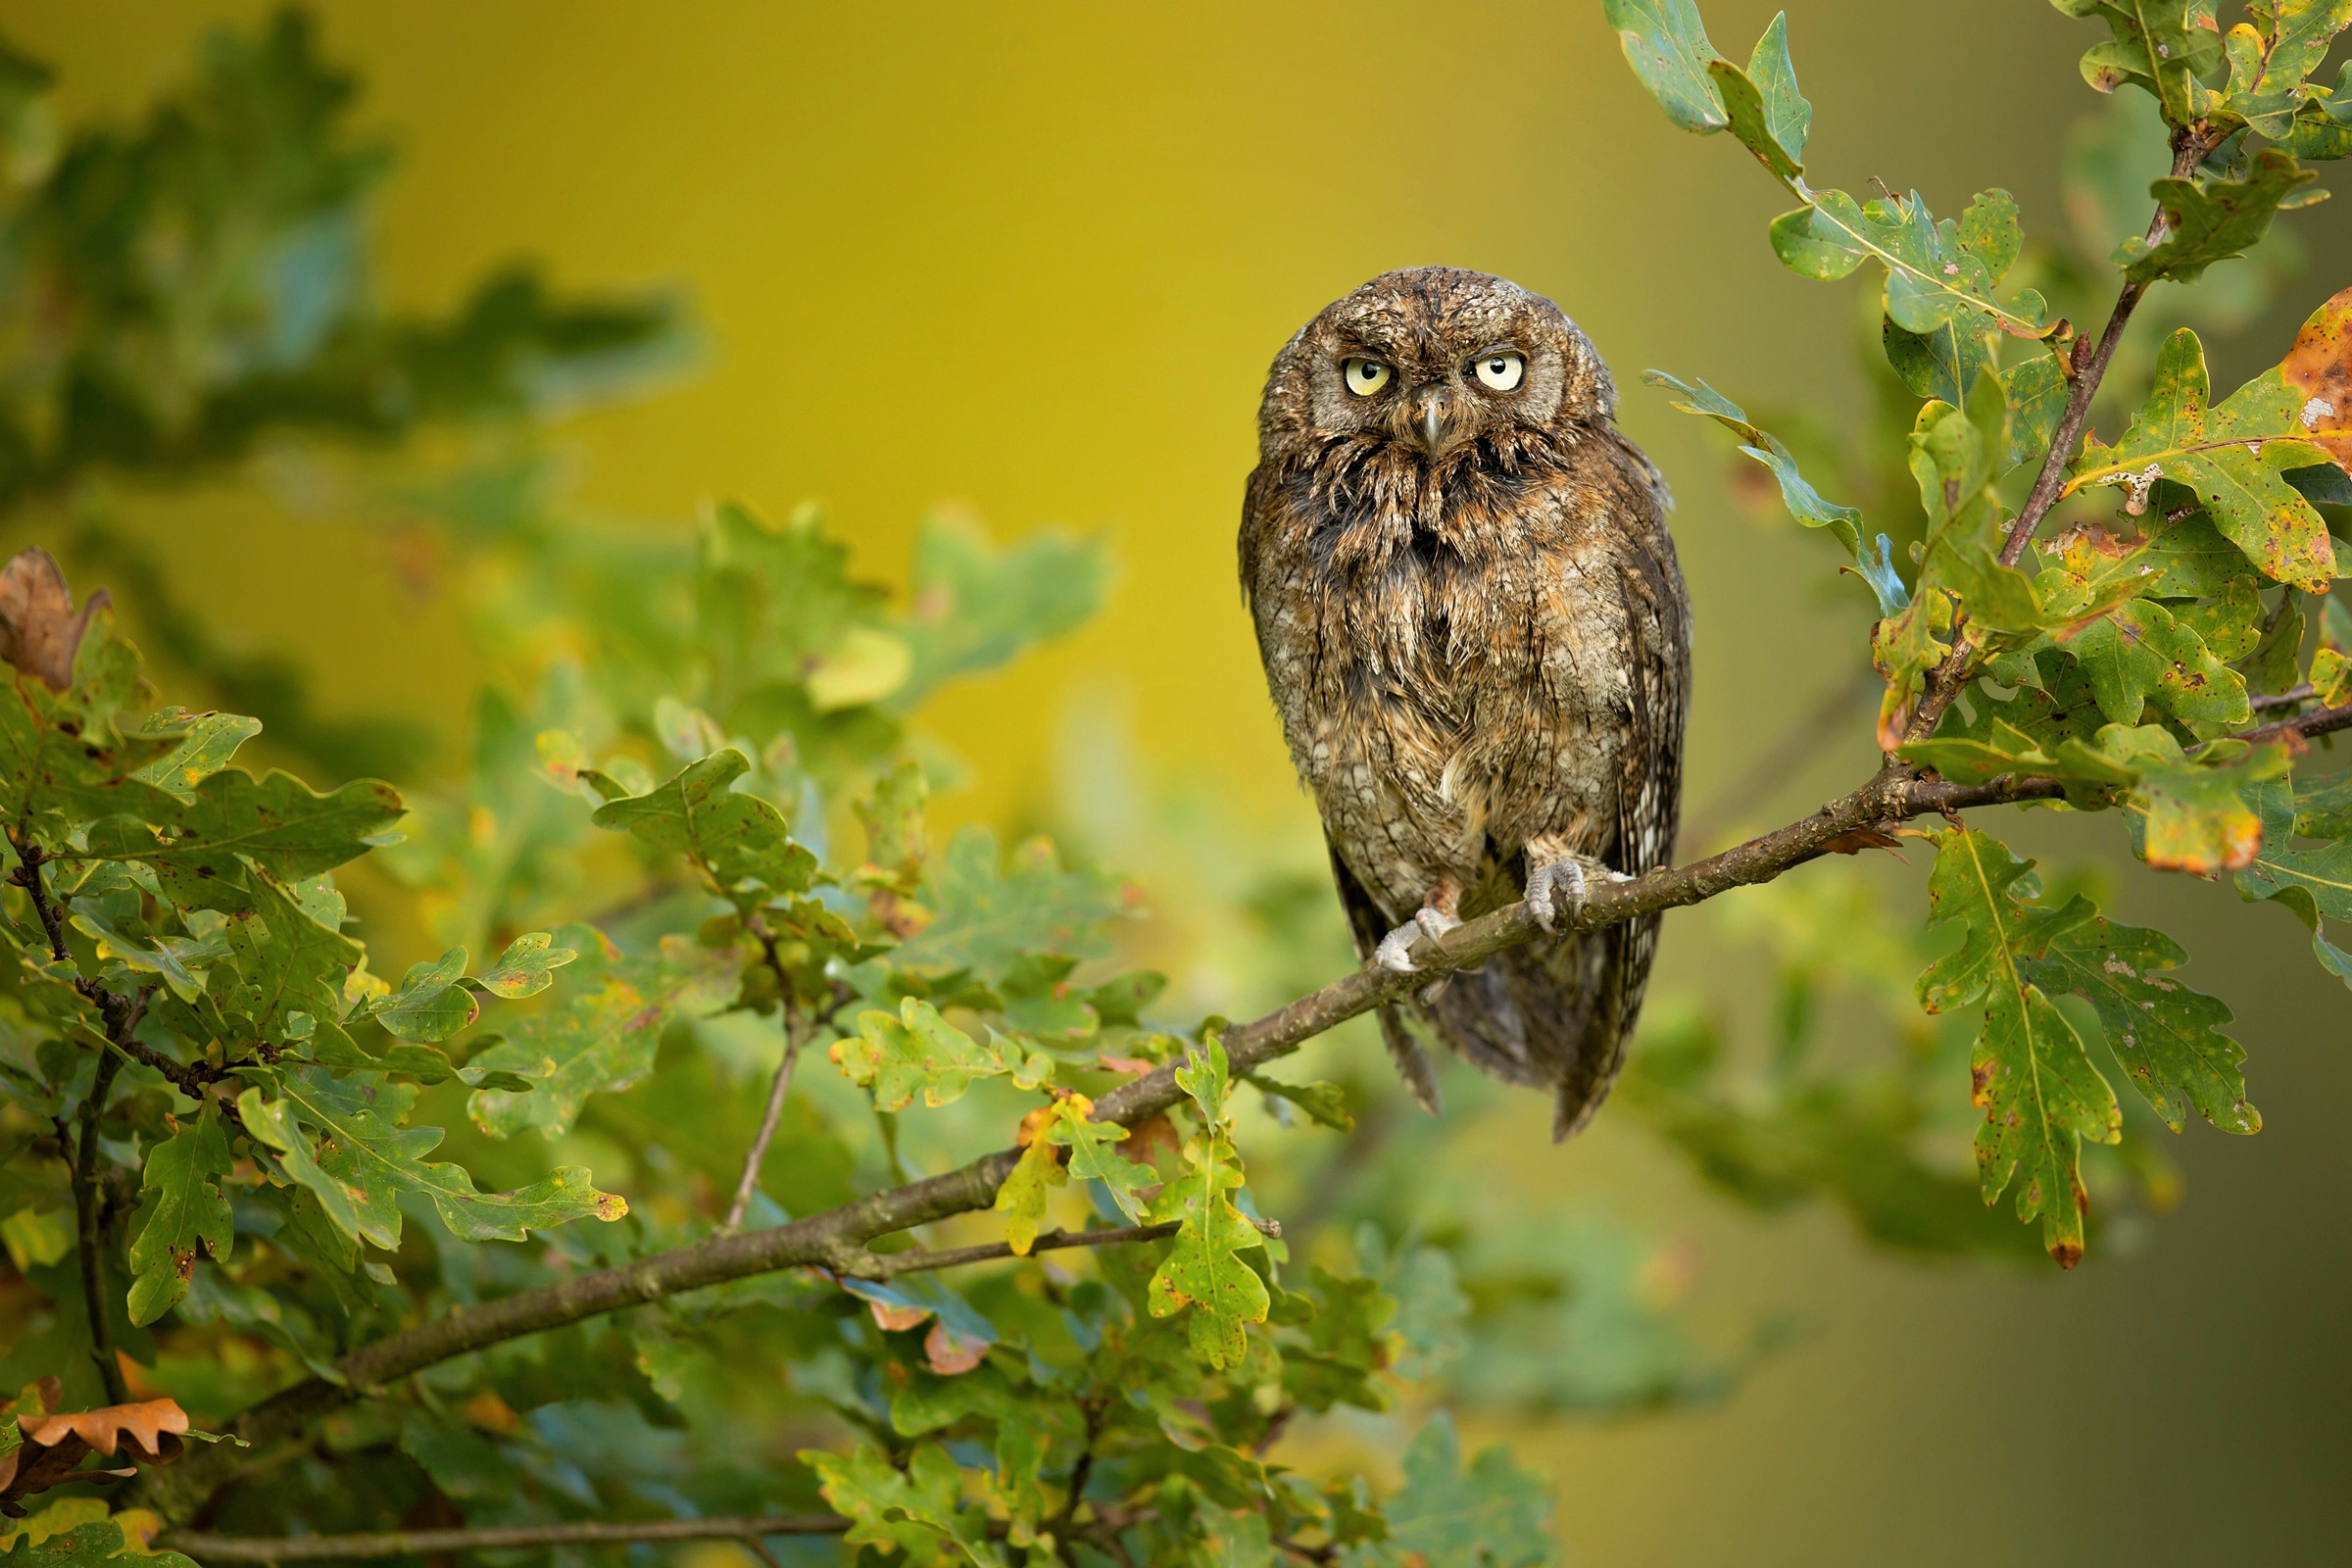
x=1365, y=377
x=1502, y=371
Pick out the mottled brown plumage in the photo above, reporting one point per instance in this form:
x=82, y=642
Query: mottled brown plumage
x=1476, y=634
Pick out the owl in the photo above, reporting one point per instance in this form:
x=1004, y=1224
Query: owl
x=1477, y=637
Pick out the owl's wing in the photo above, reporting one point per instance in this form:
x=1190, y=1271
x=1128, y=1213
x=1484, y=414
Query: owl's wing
x=1650, y=784
x=1368, y=925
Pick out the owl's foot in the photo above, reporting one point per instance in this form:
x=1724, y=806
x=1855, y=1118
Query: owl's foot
x=1560, y=887
x=1395, y=950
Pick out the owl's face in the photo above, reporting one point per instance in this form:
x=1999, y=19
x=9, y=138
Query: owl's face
x=1430, y=361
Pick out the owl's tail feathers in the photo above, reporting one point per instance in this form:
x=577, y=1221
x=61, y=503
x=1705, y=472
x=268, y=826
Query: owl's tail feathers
x=1552, y=1015
x=1411, y=1061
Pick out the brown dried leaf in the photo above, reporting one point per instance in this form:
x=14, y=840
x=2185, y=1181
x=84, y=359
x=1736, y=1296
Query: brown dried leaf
x=2320, y=367
x=39, y=628
x=1864, y=838
x=1148, y=1136
x=893, y=1319
x=949, y=1353
x=145, y=1423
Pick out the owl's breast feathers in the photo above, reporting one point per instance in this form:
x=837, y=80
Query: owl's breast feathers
x=1470, y=658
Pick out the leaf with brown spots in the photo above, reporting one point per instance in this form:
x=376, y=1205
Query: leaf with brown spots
x=2318, y=367
x=2234, y=456
x=2041, y=1092
x=2168, y=1037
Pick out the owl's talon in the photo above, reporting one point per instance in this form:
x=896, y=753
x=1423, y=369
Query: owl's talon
x=1434, y=990
x=1560, y=888
x=1395, y=951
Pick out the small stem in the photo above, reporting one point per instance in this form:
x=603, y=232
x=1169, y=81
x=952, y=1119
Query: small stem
x=794, y=1035
x=430, y=1542
x=797, y=1030
x=2189, y=148
x=2288, y=697
x=90, y=1230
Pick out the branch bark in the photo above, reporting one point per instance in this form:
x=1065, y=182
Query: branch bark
x=2189, y=148
x=208, y=1548
x=836, y=1239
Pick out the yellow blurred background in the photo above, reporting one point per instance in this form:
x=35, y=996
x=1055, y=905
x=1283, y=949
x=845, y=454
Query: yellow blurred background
x=1033, y=260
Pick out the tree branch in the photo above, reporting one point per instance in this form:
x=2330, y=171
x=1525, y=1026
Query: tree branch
x=836, y=1239
x=428, y=1542
x=2189, y=148
x=889, y=1265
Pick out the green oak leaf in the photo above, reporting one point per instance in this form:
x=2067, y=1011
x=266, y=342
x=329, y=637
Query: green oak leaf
x=2188, y=809
x=55, y=769
x=1021, y=1199
x=527, y=968
x=920, y=1052
x=1203, y=1268
x=990, y=910
x=2312, y=885
x=2139, y=649
x=2270, y=58
x=99, y=1543
x=601, y=1041
x=2157, y=45
x=2167, y=1036
x=182, y=1210
x=2039, y=1090
x=285, y=963
x=207, y=742
x=737, y=838
x=2234, y=456
x=1095, y=1156
x=1325, y=1103
x=276, y=822
x=2323, y=807
x=915, y=1511
x=2211, y=220
x=1933, y=278
x=1666, y=44
x=428, y=1006
x=344, y=1141
x=1874, y=564
x=1491, y=1514
x=979, y=603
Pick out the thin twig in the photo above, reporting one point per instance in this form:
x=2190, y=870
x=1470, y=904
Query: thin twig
x=210, y=1548
x=90, y=1230
x=2189, y=148
x=121, y=1015
x=781, y=1086
x=2285, y=698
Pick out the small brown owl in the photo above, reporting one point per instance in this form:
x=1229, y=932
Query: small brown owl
x=1477, y=636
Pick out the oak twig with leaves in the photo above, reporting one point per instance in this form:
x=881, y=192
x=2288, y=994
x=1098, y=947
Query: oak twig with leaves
x=217, y=1173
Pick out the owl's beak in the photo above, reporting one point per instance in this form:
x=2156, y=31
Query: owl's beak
x=1432, y=423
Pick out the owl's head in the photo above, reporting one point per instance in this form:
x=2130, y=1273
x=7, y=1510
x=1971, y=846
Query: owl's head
x=1433, y=360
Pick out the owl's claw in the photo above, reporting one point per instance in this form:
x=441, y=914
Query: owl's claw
x=1560, y=887
x=1395, y=950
